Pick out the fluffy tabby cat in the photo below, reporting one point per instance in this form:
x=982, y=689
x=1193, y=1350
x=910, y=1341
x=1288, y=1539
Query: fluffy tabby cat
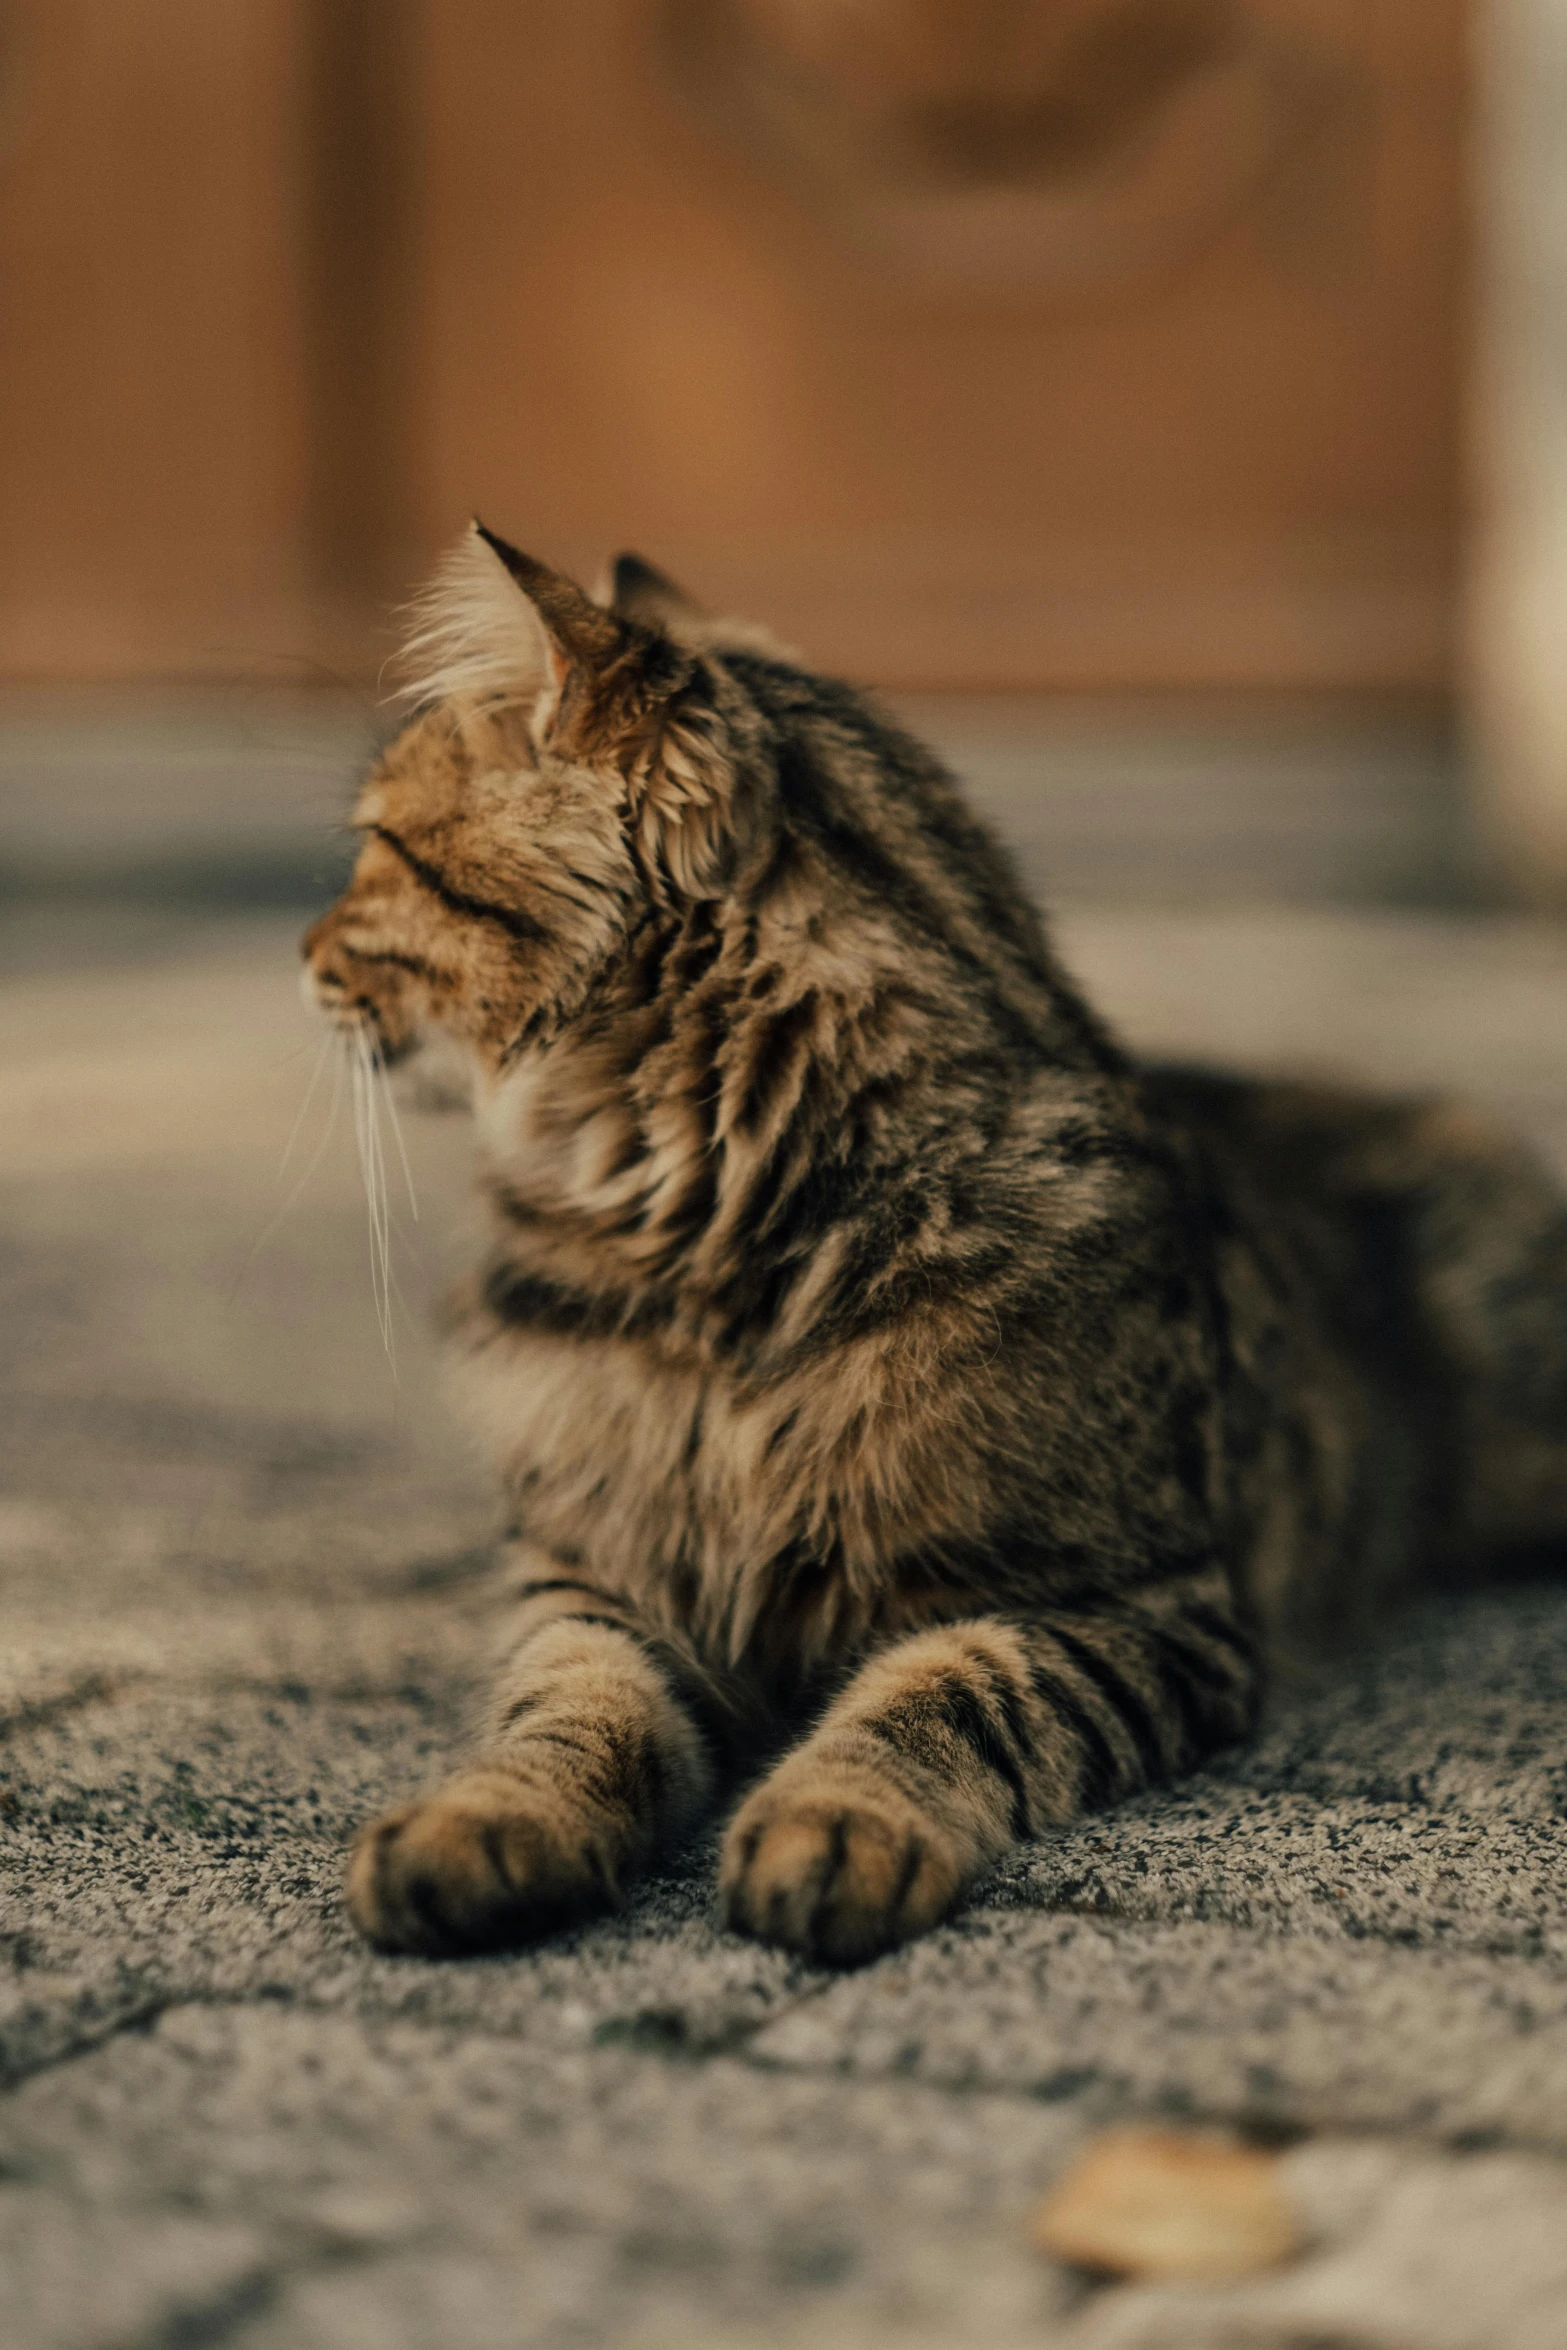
x=915, y=1414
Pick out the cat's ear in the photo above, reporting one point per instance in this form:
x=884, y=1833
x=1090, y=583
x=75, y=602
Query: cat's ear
x=602, y=688
x=496, y=625
x=640, y=591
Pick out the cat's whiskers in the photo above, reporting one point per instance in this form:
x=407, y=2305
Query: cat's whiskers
x=322, y=1050
x=372, y=1166
x=270, y=1227
x=380, y=1071
x=372, y=1087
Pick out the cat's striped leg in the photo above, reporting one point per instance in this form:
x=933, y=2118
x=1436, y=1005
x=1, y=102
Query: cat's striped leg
x=959, y=1741
x=589, y=1762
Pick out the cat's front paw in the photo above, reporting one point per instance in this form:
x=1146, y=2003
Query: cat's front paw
x=472, y=1867
x=838, y=1876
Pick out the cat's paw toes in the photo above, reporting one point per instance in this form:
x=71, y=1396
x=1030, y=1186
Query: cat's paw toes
x=469, y=1868
x=839, y=1879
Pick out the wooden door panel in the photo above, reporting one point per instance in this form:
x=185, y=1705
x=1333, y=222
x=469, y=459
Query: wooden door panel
x=1168, y=396
x=151, y=423
x=1239, y=467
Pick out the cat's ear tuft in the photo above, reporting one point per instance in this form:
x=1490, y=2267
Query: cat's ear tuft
x=640, y=591
x=496, y=625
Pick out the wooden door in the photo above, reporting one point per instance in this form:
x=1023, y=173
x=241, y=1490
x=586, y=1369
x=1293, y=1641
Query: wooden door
x=1108, y=343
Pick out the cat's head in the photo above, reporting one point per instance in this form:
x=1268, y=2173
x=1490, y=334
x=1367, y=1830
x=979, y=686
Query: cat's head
x=570, y=764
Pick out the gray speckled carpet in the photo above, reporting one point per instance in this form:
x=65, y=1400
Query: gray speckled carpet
x=241, y=1576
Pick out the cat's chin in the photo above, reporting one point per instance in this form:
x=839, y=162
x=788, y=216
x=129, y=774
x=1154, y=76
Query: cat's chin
x=434, y=1074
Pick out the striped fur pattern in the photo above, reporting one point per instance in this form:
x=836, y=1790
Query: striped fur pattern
x=918, y=1421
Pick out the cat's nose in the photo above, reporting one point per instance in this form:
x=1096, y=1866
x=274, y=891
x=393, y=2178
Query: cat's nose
x=323, y=982
x=321, y=952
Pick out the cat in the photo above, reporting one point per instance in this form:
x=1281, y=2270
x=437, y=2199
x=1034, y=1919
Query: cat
x=920, y=1422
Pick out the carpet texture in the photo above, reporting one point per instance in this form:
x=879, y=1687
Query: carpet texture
x=242, y=1579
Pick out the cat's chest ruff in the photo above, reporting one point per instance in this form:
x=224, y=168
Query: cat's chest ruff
x=756, y=1517
x=631, y=1460
x=764, y=1519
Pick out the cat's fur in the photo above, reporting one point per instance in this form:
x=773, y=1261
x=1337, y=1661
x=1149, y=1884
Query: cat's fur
x=913, y=1411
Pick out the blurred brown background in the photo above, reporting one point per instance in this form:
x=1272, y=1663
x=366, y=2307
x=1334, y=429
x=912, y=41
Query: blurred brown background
x=1104, y=344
